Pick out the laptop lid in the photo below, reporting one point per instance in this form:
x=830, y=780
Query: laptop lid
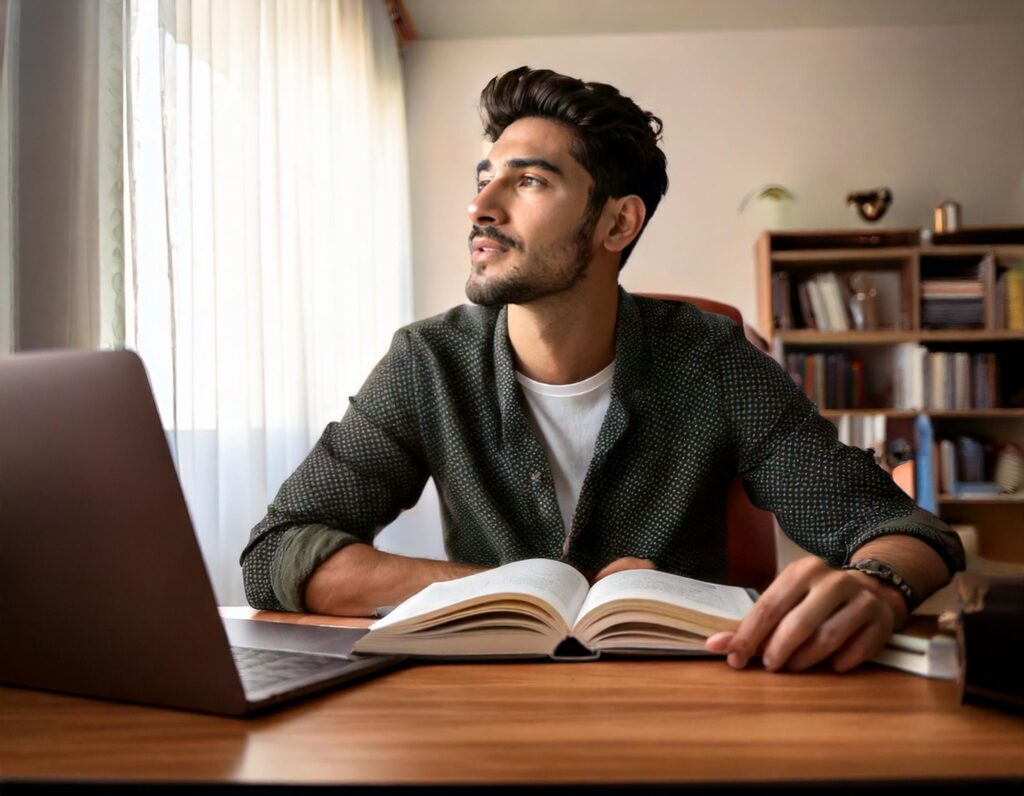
x=103, y=589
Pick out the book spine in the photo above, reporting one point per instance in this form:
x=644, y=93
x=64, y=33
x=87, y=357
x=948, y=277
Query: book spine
x=820, y=379
x=818, y=305
x=1015, y=299
x=806, y=312
x=924, y=488
x=947, y=467
x=962, y=380
x=857, y=378
x=992, y=374
x=919, y=374
x=831, y=381
x=979, y=399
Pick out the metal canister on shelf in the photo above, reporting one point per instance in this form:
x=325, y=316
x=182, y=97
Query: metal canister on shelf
x=948, y=215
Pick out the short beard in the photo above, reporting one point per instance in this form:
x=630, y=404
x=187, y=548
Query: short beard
x=554, y=269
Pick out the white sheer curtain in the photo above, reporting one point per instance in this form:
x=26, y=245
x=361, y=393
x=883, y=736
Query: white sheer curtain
x=267, y=213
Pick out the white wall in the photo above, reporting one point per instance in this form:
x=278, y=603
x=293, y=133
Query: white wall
x=930, y=112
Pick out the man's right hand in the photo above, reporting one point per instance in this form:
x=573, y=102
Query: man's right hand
x=358, y=579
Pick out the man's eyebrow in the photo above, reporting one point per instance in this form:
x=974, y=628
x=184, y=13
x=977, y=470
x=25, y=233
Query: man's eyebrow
x=521, y=163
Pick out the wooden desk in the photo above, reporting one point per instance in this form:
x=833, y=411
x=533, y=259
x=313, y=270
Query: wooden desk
x=642, y=722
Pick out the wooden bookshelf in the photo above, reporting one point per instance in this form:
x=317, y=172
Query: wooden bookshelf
x=898, y=260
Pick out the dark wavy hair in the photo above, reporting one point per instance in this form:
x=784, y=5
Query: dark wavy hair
x=613, y=138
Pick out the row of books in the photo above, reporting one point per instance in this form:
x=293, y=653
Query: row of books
x=823, y=300
x=865, y=431
x=962, y=468
x=831, y=381
x=950, y=299
x=955, y=300
x=944, y=379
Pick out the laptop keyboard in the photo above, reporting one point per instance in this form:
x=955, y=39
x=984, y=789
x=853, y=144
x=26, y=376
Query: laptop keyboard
x=260, y=668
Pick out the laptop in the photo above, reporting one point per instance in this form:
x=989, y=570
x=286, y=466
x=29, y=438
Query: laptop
x=103, y=590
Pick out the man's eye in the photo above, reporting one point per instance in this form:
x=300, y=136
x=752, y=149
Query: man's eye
x=531, y=182
x=481, y=184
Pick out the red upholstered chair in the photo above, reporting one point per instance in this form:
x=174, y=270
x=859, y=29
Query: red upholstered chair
x=751, y=530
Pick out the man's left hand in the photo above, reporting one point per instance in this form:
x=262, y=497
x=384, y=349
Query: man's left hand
x=812, y=612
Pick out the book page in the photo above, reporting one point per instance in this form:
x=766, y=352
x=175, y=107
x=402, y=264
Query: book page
x=645, y=584
x=554, y=582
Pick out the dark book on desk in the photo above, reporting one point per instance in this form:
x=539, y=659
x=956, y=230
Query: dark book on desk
x=990, y=625
x=545, y=608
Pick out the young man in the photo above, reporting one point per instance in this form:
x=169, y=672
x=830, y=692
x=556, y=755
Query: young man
x=562, y=417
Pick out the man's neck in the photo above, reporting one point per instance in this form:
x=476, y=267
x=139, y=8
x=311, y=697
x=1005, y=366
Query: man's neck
x=567, y=337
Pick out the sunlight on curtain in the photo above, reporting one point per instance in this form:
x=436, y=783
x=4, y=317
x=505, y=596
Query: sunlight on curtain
x=268, y=220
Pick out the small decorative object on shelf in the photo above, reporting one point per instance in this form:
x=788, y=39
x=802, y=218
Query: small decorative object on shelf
x=1009, y=472
x=864, y=302
x=948, y=216
x=871, y=205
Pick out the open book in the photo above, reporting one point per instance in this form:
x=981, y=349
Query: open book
x=540, y=607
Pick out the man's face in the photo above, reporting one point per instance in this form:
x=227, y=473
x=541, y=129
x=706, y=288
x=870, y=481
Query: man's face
x=532, y=236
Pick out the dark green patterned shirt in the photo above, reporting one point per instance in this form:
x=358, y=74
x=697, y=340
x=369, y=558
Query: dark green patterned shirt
x=693, y=406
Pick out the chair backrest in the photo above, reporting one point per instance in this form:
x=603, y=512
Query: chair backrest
x=751, y=530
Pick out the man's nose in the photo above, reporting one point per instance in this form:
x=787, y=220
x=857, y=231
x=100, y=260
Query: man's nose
x=487, y=207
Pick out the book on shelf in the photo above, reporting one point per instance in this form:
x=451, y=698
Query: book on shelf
x=818, y=306
x=807, y=316
x=835, y=298
x=955, y=299
x=947, y=466
x=940, y=386
x=965, y=469
x=1010, y=299
x=831, y=381
x=782, y=301
x=944, y=380
x=924, y=489
x=541, y=608
x=864, y=431
x=909, y=378
x=823, y=300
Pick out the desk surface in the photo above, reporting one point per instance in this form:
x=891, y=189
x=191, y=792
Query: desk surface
x=639, y=721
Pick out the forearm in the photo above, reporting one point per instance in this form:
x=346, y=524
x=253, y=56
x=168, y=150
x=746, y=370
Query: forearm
x=358, y=579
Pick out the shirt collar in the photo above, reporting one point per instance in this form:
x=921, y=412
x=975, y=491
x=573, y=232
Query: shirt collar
x=630, y=367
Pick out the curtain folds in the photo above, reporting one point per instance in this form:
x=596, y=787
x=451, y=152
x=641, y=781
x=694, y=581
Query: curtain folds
x=266, y=215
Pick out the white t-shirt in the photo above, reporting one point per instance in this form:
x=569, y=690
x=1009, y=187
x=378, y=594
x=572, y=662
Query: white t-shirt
x=566, y=419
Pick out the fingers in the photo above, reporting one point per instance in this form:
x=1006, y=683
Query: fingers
x=823, y=609
x=846, y=623
x=860, y=647
x=785, y=592
x=719, y=642
x=809, y=613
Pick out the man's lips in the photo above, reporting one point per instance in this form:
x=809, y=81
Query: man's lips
x=487, y=245
x=486, y=249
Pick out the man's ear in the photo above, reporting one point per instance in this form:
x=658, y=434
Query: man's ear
x=627, y=219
